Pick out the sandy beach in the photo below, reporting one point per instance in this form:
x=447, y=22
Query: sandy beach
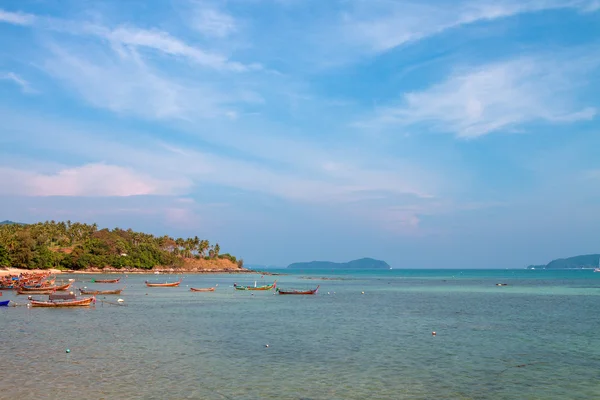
x=17, y=271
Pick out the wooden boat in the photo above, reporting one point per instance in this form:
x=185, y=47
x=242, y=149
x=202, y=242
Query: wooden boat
x=9, y=287
x=265, y=287
x=313, y=291
x=36, y=291
x=168, y=284
x=106, y=280
x=4, y=303
x=36, y=288
x=64, y=303
x=210, y=289
x=96, y=292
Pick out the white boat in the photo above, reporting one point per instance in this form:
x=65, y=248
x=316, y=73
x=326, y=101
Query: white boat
x=597, y=269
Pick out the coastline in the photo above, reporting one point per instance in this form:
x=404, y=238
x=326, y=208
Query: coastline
x=107, y=271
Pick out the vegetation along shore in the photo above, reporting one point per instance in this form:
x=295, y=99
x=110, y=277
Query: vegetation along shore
x=78, y=247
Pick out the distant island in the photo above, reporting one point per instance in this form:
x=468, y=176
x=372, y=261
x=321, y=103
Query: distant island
x=577, y=262
x=84, y=247
x=363, y=263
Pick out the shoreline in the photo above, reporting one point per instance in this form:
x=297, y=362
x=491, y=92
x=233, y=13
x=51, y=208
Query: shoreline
x=166, y=271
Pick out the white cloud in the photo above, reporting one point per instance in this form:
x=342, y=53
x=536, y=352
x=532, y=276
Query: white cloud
x=494, y=97
x=96, y=180
x=17, y=18
x=124, y=83
x=212, y=22
x=22, y=83
x=382, y=25
x=165, y=43
x=134, y=37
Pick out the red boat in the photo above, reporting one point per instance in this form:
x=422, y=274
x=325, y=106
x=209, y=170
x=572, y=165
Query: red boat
x=313, y=291
x=65, y=303
x=171, y=284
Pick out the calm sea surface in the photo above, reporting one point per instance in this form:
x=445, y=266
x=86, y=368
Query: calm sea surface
x=537, y=338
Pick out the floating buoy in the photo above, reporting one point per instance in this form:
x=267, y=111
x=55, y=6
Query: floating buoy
x=433, y=333
x=68, y=351
x=266, y=345
x=120, y=301
x=362, y=292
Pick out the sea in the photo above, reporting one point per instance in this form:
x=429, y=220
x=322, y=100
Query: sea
x=365, y=335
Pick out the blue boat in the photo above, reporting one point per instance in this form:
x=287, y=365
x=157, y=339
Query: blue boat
x=4, y=303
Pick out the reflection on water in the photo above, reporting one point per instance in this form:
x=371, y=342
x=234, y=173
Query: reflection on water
x=536, y=338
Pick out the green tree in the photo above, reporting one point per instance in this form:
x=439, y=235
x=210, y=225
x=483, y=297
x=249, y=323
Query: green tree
x=4, y=256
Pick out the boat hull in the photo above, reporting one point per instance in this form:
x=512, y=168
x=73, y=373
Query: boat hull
x=4, y=303
x=212, y=289
x=73, y=303
x=172, y=284
x=305, y=292
x=266, y=287
x=106, y=280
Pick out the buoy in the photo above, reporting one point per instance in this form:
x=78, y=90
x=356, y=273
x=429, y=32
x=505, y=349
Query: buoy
x=362, y=292
x=266, y=345
x=68, y=350
x=120, y=300
x=433, y=333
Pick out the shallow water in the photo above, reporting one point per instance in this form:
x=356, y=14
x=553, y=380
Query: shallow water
x=536, y=338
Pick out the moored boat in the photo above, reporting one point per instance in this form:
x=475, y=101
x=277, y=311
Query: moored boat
x=210, y=289
x=36, y=291
x=167, y=284
x=96, y=292
x=86, y=302
x=4, y=303
x=106, y=280
x=312, y=291
x=264, y=287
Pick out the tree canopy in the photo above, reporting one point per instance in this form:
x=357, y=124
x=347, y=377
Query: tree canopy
x=78, y=246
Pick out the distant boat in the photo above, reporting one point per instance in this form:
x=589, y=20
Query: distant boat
x=597, y=269
x=168, y=284
x=96, y=292
x=106, y=280
x=210, y=289
x=4, y=303
x=265, y=287
x=313, y=291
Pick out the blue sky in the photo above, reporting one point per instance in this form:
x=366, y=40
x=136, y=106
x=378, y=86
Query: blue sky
x=430, y=134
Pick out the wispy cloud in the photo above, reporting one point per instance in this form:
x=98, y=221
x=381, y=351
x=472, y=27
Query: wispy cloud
x=131, y=36
x=95, y=180
x=125, y=83
x=211, y=21
x=495, y=97
x=16, y=18
x=382, y=25
x=22, y=83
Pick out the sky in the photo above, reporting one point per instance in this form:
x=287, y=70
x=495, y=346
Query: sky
x=429, y=134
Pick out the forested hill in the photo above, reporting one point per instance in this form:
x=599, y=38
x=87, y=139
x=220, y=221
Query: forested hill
x=584, y=261
x=363, y=263
x=79, y=246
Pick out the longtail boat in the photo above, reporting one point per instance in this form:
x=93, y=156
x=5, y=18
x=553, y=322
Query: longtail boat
x=96, y=292
x=210, y=289
x=4, y=303
x=168, y=284
x=313, y=291
x=36, y=291
x=66, y=303
x=106, y=280
x=265, y=287
x=9, y=287
x=36, y=288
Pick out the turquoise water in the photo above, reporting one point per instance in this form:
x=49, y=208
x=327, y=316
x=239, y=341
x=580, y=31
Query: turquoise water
x=537, y=338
